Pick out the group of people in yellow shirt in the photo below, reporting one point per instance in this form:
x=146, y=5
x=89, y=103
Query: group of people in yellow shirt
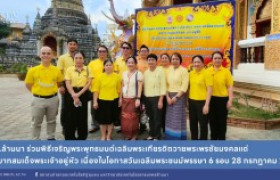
x=119, y=89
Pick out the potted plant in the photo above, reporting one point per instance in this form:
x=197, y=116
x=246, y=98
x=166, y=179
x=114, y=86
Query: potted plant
x=20, y=69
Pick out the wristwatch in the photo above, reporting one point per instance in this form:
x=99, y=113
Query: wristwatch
x=177, y=97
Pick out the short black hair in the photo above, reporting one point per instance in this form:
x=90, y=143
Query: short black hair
x=72, y=40
x=80, y=52
x=131, y=57
x=103, y=46
x=199, y=57
x=217, y=52
x=143, y=46
x=152, y=56
x=127, y=43
x=178, y=55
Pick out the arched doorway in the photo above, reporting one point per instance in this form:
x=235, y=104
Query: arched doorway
x=52, y=43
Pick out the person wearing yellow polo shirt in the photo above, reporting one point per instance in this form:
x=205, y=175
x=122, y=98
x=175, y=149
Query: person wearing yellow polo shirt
x=97, y=67
x=120, y=67
x=142, y=66
x=154, y=91
x=64, y=62
x=78, y=79
x=199, y=98
x=142, y=63
x=43, y=82
x=120, y=63
x=107, y=90
x=222, y=95
x=177, y=86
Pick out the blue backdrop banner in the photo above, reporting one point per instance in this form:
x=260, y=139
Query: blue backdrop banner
x=142, y=155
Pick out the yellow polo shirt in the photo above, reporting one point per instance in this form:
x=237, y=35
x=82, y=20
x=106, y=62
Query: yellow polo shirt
x=44, y=79
x=120, y=66
x=177, y=79
x=108, y=86
x=96, y=67
x=78, y=79
x=199, y=81
x=64, y=62
x=222, y=79
x=154, y=83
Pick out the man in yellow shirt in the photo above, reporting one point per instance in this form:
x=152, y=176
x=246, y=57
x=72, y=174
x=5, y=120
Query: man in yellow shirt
x=120, y=67
x=142, y=63
x=43, y=82
x=120, y=63
x=64, y=62
x=96, y=66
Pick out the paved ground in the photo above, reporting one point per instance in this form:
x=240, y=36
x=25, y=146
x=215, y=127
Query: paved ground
x=15, y=118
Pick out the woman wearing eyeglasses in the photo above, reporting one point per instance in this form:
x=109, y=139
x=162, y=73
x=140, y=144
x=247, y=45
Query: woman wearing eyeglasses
x=97, y=66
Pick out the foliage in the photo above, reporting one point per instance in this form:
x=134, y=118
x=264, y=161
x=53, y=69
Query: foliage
x=2, y=68
x=19, y=68
x=245, y=111
x=5, y=30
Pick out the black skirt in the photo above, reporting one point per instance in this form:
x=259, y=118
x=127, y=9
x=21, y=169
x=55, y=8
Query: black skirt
x=107, y=112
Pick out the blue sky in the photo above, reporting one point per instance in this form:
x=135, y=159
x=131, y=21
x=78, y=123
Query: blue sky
x=17, y=10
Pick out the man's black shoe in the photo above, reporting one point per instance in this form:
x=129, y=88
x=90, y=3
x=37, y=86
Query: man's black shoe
x=93, y=130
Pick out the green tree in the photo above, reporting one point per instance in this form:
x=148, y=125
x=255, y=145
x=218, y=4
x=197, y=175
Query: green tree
x=5, y=29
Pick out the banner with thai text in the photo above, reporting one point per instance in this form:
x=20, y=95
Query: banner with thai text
x=189, y=29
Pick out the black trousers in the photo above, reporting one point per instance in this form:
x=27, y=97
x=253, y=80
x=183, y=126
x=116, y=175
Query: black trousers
x=197, y=117
x=218, y=117
x=76, y=118
x=154, y=116
x=63, y=108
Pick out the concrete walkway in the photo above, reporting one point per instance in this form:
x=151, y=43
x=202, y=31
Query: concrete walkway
x=15, y=117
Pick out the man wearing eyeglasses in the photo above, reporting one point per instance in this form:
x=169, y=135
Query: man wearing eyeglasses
x=96, y=66
x=142, y=65
x=120, y=63
x=142, y=60
x=121, y=67
x=43, y=82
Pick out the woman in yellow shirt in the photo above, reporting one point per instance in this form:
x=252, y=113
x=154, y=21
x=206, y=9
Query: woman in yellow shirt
x=106, y=100
x=199, y=98
x=78, y=79
x=165, y=64
x=177, y=86
x=132, y=81
x=221, y=100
